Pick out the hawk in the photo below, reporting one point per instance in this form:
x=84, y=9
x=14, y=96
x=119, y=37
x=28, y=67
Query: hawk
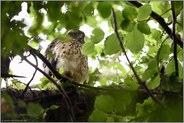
x=68, y=55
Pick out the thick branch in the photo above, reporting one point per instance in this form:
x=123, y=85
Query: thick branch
x=141, y=83
x=57, y=74
x=161, y=21
x=174, y=37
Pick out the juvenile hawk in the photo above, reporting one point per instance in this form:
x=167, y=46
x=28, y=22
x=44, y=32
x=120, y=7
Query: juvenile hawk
x=68, y=55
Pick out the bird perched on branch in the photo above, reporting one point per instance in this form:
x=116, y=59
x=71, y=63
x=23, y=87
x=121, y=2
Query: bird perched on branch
x=68, y=56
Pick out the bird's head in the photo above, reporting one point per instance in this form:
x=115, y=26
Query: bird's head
x=77, y=35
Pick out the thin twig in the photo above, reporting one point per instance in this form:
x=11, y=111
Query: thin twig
x=140, y=82
x=174, y=37
x=27, y=85
x=65, y=96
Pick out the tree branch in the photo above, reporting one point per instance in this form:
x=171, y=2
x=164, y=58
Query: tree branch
x=161, y=21
x=66, y=98
x=140, y=82
x=57, y=74
x=27, y=85
x=174, y=37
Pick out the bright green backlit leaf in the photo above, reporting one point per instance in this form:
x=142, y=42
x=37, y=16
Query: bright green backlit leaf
x=144, y=28
x=147, y=74
x=135, y=40
x=127, y=25
x=89, y=10
x=152, y=65
x=110, y=119
x=98, y=116
x=111, y=45
x=33, y=44
x=61, y=70
x=144, y=12
x=54, y=107
x=34, y=110
x=170, y=68
x=104, y=103
x=129, y=13
x=164, y=52
x=155, y=82
x=104, y=8
x=156, y=34
x=97, y=35
x=130, y=83
x=88, y=48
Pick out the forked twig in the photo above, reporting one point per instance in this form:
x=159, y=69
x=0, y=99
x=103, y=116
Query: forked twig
x=27, y=85
x=65, y=96
x=140, y=82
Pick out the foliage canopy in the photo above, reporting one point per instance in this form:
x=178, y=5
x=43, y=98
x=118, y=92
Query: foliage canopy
x=149, y=47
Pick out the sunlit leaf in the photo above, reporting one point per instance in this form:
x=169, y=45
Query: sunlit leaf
x=89, y=10
x=164, y=52
x=88, y=48
x=111, y=45
x=97, y=35
x=155, y=82
x=144, y=28
x=156, y=34
x=135, y=40
x=170, y=68
x=104, y=8
x=144, y=12
x=129, y=13
x=127, y=25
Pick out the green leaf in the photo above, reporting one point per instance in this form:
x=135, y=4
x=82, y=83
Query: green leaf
x=144, y=28
x=88, y=48
x=170, y=68
x=129, y=13
x=54, y=107
x=145, y=108
x=147, y=74
x=44, y=81
x=104, y=9
x=155, y=82
x=135, y=40
x=104, y=103
x=110, y=119
x=171, y=83
x=111, y=45
x=130, y=83
x=152, y=65
x=127, y=25
x=98, y=116
x=144, y=12
x=8, y=99
x=97, y=35
x=164, y=52
x=34, y=110
x=156, y=34
x=88, y=10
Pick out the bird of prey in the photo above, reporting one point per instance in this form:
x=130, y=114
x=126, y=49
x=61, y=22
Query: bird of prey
x=68, y=56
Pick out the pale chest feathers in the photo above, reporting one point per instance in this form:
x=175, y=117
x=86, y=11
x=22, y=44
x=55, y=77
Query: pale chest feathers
x=69, y=57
